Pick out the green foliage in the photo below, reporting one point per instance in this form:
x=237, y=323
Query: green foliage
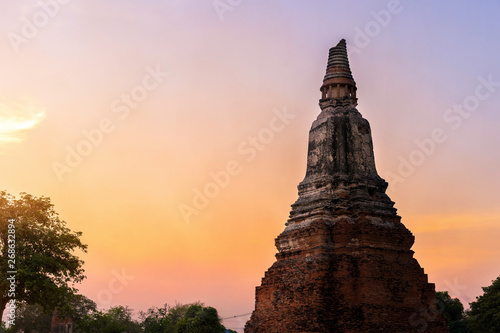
x=76, y=307
x=152, y=319
x=187, y=318
x=4, y=329
x=484, y=314
x=164, y=319
x=31, y=318
x=452, y=311
x=199, y=319
x=34, y=318
x=117, y=319
x=175, y=314
x=44, y=260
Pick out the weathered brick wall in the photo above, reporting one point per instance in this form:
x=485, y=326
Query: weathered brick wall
x=344, y=261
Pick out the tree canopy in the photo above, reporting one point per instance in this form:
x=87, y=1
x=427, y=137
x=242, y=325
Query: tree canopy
x=31, y=318
x=39, y=248
x=484, y=313
x=164, y=319
x=199, y=319
x=117, y=319
x=187, y=318
x=452, y=311
x=77, y=307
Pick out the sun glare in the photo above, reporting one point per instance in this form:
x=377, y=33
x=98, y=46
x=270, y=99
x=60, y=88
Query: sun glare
x=16, y=119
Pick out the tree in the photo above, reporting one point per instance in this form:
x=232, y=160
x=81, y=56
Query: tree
x=4, y=329
x=484, y=313
x=117, y=319
x=164, y=319
x=152, y=321
x=182, y=318
x=76, y=307
x=199, y=319
x=38, y=247
x=175, y=314
x=31, y=318
x=452, y=311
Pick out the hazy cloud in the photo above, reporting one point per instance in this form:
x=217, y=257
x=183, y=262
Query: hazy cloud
x=16, y=119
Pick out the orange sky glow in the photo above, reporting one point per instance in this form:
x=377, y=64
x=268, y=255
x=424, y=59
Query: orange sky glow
x=174, y=135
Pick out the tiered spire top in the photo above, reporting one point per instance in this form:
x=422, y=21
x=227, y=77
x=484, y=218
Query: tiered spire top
x=338, y=84
x=338, y=70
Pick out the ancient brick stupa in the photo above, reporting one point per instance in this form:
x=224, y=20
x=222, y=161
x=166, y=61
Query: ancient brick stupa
x=344, y=261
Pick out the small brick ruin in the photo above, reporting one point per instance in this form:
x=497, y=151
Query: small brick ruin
x=344, y=261
x=61, y=324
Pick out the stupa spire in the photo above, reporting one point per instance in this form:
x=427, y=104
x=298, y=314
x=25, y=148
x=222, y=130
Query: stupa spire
x=339, y=87
x=344, y=261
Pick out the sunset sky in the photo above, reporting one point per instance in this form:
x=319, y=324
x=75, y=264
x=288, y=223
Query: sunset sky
x=124, y=113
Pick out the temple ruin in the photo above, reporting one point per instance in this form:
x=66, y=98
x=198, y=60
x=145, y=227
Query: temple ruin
x=344, y=261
